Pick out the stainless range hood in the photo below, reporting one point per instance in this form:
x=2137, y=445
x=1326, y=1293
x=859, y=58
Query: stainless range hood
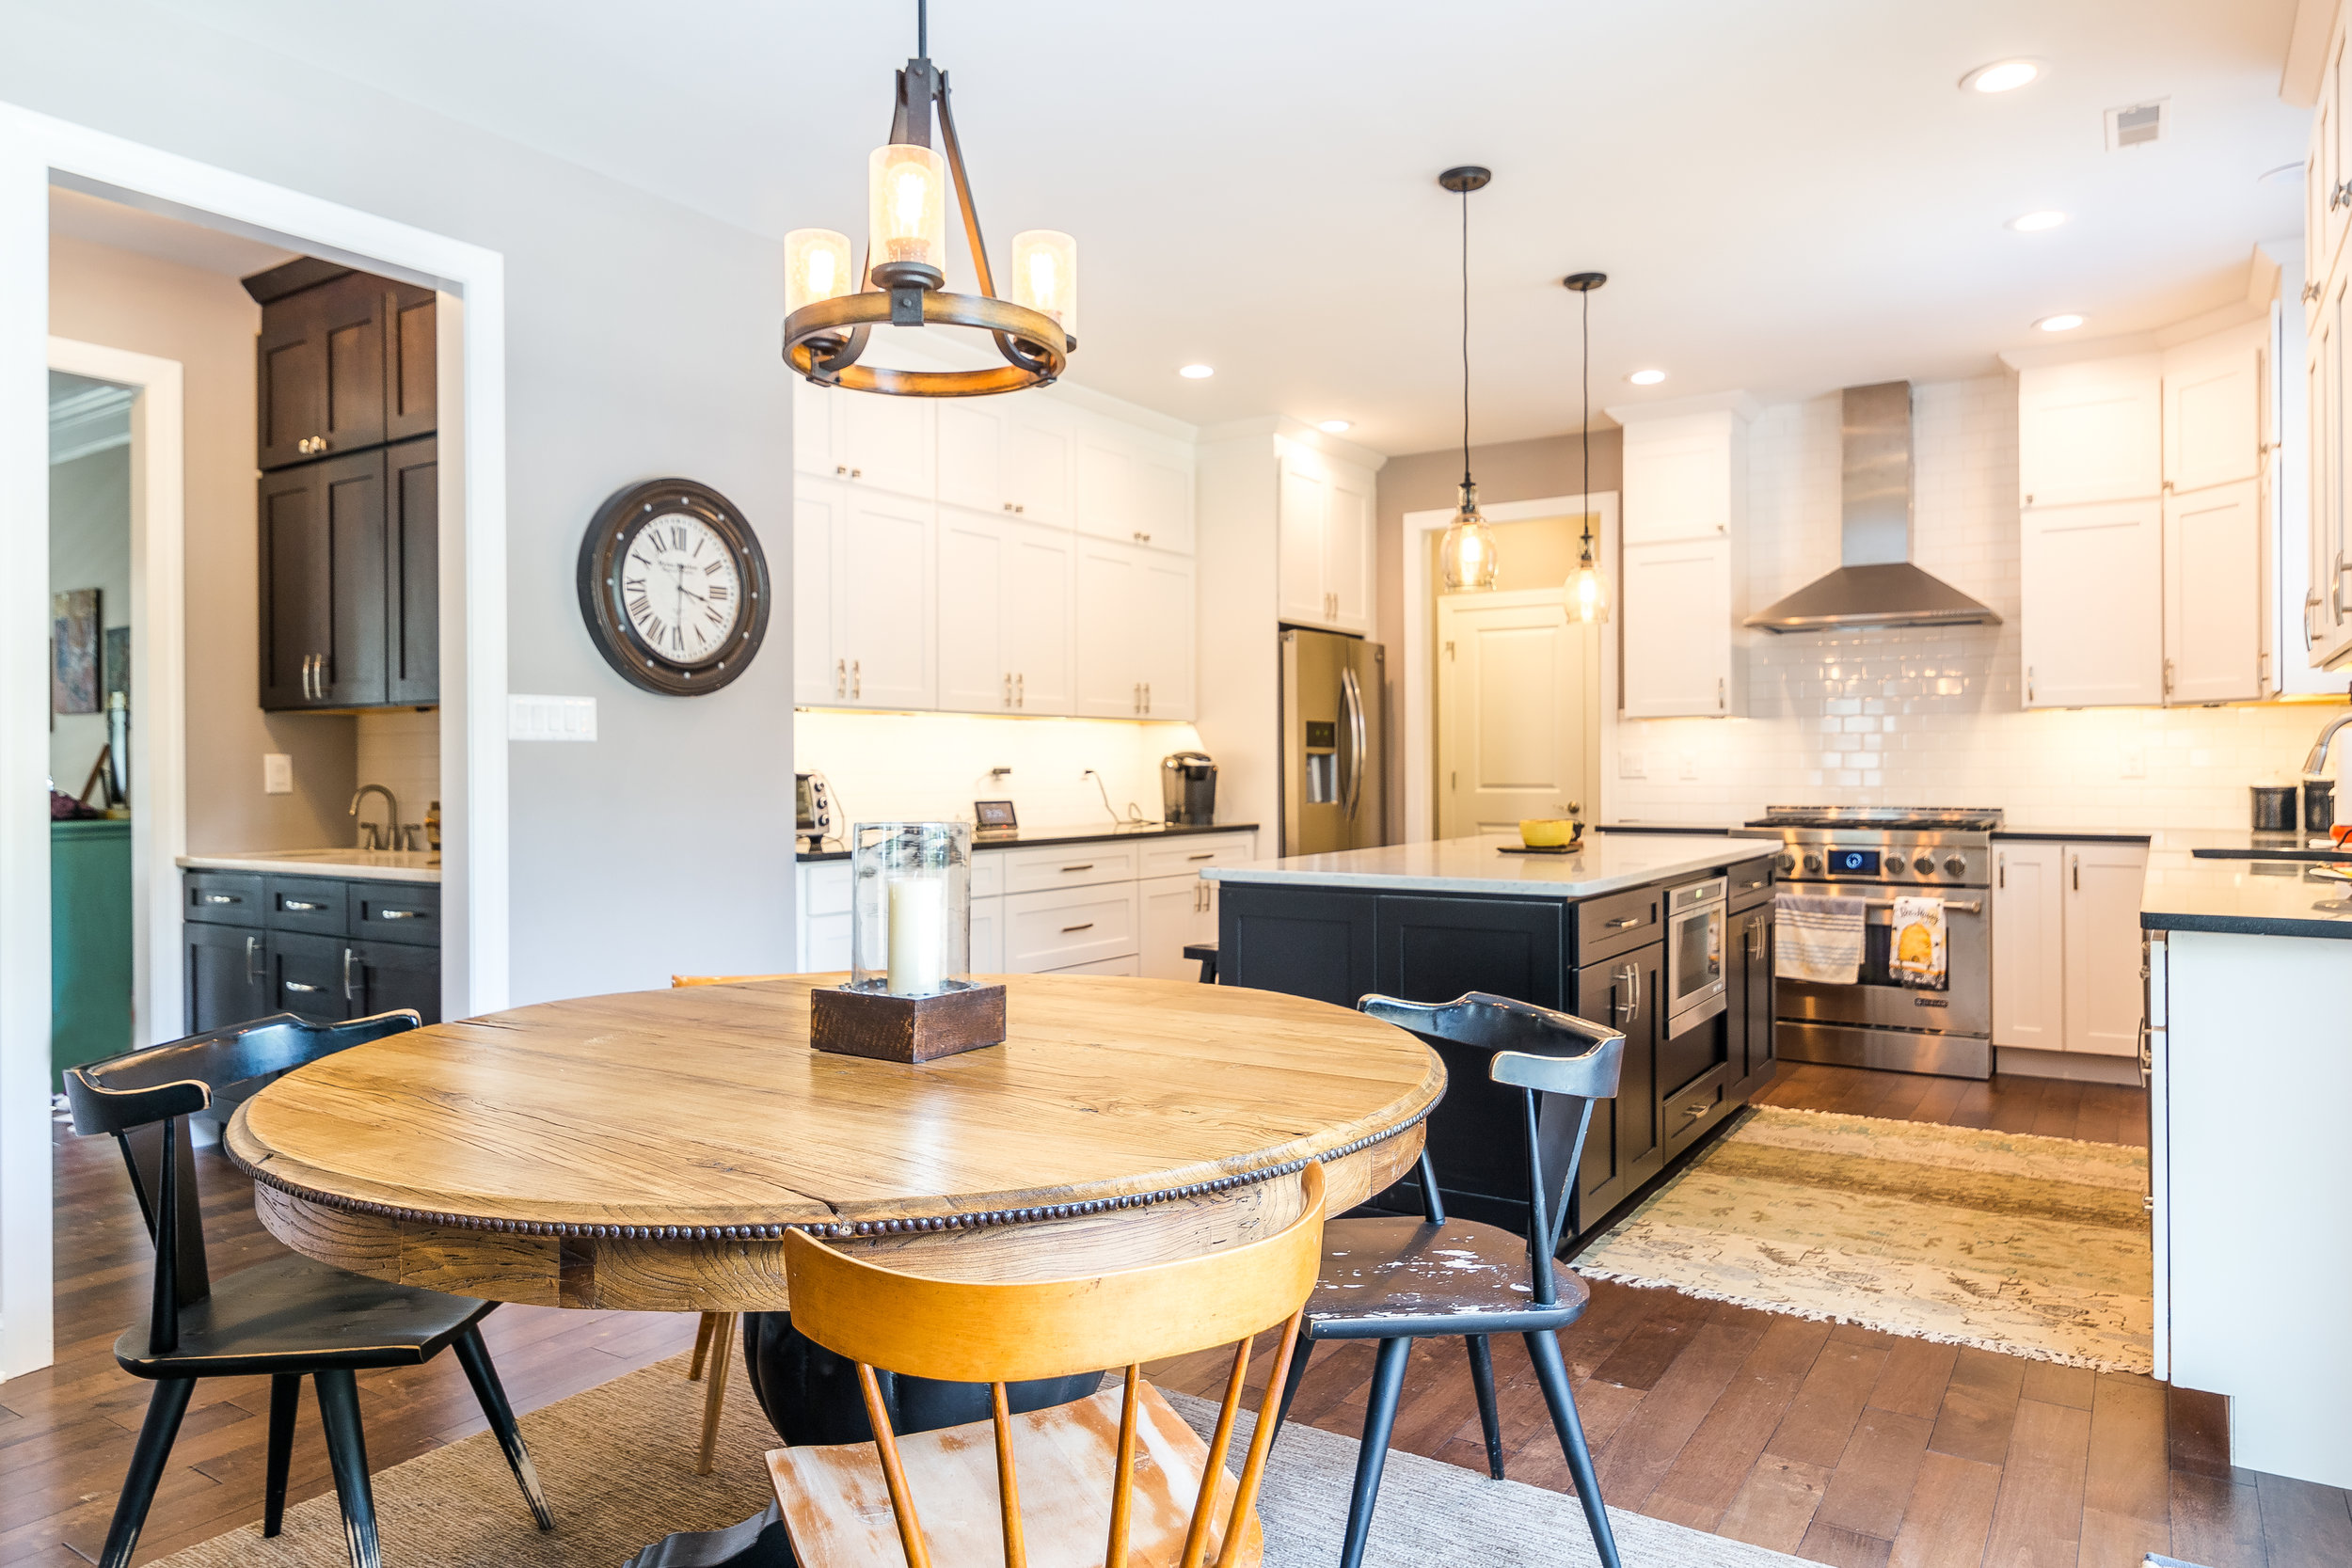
x=1875, y=584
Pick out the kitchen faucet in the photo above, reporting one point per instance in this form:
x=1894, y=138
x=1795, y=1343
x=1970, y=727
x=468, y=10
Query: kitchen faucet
x=391, y=839
x=2316, y=765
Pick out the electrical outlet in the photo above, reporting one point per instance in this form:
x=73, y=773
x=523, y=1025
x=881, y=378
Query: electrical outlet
x=2135, y=764
x=276, y=773
x=1687, y=765
x=1631, y=766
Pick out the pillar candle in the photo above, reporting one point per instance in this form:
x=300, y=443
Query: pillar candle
x=919, y=930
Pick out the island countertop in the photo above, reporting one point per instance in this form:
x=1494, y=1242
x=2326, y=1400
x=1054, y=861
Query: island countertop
x=1608, y=863
x=2189, y=891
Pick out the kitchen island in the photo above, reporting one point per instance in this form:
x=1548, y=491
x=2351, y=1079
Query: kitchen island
x=1667, y=937
x=2248, y=1060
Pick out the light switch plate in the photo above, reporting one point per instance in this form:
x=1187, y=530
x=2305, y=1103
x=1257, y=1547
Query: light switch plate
x=551, y=717
x=1687, y=765
x=276, y=773
x=1631, y=766
x=2135, y=764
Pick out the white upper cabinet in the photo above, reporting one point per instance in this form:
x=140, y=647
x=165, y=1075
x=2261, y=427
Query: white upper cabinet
x=2091, y=604
x=1003, y=618
x=1322, y=541
x=815, y=530
x=1008, y=455
x=1134, y=632
x=812, y=412
x=1134, y=485
x=1037, y=617
x=972, y=453
x=2213, y=412
x=2213, y=588
x=1679, y=478
x=2090, y=432
x=1163, y=622
x=886, y=600
x=1680, y=571
x=889, y=443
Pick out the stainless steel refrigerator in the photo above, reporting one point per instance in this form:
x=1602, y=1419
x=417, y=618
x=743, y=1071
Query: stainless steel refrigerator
x=1334, y=748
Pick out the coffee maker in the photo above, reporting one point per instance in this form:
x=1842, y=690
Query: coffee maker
x=1188, y=790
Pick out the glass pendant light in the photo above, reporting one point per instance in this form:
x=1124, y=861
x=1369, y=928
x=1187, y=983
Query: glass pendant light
x=816, y=267
x=1467, y=553
x=1587, y=587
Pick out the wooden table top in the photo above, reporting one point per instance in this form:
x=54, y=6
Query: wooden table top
x=701, y=1115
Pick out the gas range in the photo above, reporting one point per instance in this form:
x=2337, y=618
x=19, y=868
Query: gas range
x=1888, y=846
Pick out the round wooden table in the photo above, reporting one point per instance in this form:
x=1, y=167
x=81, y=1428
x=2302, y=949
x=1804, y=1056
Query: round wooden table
x=648, y=1151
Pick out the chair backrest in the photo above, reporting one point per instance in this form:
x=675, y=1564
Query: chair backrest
x=144, y=1097
x=968, y=1332
x=1539, y=1051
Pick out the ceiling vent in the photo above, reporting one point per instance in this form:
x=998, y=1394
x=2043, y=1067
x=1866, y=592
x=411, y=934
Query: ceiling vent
x=2138, y=124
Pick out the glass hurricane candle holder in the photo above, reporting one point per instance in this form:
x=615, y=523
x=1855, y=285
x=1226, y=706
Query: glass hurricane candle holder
x=912, y=934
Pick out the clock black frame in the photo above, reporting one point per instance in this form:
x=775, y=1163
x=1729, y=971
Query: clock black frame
x=617, y=522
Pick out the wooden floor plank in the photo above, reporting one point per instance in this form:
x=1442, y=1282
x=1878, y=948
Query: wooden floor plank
x=1774, y=1504
x=2304, y=1522
x=1915, y=1376
x=2196, y=1426
x=2124, y=1474
x=1948, y=1514
x=1830, y=1543
x=2216, y=1523
x=1980, y=1406
x=1638, y=1458
x=1821, y=1417
x=2038, y=1521
x=1708, y=1473
x=1875, y=1475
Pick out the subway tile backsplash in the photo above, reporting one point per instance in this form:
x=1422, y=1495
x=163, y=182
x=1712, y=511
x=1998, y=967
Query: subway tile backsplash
x=1931, y=718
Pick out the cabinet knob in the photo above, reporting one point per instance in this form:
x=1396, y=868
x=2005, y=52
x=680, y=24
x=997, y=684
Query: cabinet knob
x=1024, y=508
x=857, y=473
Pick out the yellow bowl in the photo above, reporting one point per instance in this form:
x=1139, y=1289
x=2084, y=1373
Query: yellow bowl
x=1548, y=833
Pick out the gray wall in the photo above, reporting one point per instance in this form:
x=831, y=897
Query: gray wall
x=640, y=340
x=89, y=547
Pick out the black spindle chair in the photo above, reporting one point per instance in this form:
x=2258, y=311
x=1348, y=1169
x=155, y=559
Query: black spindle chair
x=1397, y=1280
x=287, y=1318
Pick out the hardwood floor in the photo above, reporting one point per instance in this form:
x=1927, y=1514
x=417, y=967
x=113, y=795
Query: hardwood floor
x=1839, y=1444
x=1846, y=1446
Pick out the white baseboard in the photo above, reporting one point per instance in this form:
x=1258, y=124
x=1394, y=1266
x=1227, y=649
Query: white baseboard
x=2023, y=1062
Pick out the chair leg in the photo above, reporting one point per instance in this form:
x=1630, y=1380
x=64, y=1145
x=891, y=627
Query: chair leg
x=1299, y=1353
x=1388, y=1382
x=285, y=1399
x=702, y=1346
x=715, y=1397
x=347, y=1455
x=474, y=1356
x=164, y=1406
x=1551, y=1370
x=1482, y=1379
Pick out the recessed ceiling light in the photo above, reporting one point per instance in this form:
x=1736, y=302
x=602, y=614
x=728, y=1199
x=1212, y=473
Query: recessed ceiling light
x=2000, y=77
x=2065, y=322
x=1196, y=372
x=1646, y=378
x=1335, y=427
x=2284, y=173
x=2033, y=222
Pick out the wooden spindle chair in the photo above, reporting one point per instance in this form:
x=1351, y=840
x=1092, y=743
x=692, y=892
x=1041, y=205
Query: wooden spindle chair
x=286, y=1319
x=856, y=1505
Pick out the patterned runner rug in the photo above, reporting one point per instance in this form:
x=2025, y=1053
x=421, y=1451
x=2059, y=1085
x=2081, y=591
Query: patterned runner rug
x=2034, y=1246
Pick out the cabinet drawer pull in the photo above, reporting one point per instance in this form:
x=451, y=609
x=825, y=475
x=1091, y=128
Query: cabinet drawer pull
x=1751, y=887
x=1087, y=867
x=296, y=985
x=400, y=914
x=1210, y=856
x=1628, y=920
x=1693, y=1112
x=347, y=996
x=297, y=905
x=222, y=898
x=1087, y=927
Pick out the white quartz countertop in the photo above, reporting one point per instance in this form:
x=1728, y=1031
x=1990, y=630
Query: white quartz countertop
x=372, y=865
x=1607, y=864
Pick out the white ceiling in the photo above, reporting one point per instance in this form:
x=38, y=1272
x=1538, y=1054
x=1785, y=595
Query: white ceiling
x=1788, y=197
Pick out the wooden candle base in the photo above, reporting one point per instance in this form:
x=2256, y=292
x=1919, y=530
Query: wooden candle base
x=886, y=1028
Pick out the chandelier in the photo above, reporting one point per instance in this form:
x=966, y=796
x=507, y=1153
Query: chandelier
x=829, y=309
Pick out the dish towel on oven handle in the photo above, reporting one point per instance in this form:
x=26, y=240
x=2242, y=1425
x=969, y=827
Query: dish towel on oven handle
x=1818, y=940
x=1915, y=953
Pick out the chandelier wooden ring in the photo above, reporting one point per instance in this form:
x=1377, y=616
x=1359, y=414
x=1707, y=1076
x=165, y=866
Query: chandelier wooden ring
x=1032, y=341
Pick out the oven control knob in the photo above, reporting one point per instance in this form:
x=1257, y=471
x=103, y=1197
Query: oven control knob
x=1955, y=864
x=1789, y=863
x=1812, y=863
x=1926, y=864
x=1895, y=867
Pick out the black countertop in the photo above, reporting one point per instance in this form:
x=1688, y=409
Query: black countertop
x=1030, y=838
x=2186, y=891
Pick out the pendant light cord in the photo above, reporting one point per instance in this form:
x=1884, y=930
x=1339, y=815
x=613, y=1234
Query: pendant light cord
x=923, y=29
x=1587, y=332
x=1466, y=458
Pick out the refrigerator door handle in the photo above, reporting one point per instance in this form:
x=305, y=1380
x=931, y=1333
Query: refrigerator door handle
x=1352, y=695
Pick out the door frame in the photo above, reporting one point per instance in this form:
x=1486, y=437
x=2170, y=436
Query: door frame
x=36, y=151
x=159, y=817
x=1588, y=787
x=1417, y=708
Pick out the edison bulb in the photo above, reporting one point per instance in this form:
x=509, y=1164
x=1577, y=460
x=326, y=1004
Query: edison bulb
x=1467, y=553
x=907, y=207
x=1588, y=593
x=816, y=267
x=1045, y=276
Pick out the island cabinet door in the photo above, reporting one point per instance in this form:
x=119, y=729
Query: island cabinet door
x=1625, y=1148
x=1301, y=942
x=1750, y=966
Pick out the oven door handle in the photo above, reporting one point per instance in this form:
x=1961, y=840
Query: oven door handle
x=1958, y=906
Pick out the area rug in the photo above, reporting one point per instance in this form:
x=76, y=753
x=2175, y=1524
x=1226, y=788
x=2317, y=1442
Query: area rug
x=617, y=1463
x=2028, y=1245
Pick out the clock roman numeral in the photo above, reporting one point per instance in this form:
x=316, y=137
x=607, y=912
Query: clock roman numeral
x=719, y=591
x=710, y=566
x=654, y=628
x=716, y=619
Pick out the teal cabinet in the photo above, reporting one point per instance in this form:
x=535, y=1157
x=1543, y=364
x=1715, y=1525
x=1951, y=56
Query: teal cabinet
x=89, y=941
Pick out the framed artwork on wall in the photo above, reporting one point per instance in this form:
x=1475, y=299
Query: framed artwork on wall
x=76, y=651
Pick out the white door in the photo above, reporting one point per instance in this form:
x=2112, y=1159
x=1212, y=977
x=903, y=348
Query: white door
x=1676, y=622
x=817, y=527
x=1302, y=503
x=2091, y=604
x=1163, y=622
x=2104, y=1000
x=1677, y=480
x=1038, y=439
x=1347, y=551
x=2028, y=944
x=2091, y=431
x=1518, y=725
x=2213, y=413
x=1103, y=604
x=888, y=600
x=813, y=416
x=889, y=443
x=1037, y=618
x=1177, y=912
x=975, y=662
x=972, y=443
x=2213, y=585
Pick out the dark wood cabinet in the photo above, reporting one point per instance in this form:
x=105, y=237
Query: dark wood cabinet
x=225, y=974
x=389, y=975
x=1749, y=975
x=349, y=504
x=1626, y=1144
x=323, y=948
x=1302, y=942
x=306, y=976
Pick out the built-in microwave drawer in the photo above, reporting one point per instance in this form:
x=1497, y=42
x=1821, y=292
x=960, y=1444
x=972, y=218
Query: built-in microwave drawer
x=396, y=912
x=1618, y=923
x=1075, y=865
x=1180, y=857
x=308, y=904
x=223, y=897
x=1056, y=929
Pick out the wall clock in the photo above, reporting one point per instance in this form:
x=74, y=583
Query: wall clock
x=674, y=587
